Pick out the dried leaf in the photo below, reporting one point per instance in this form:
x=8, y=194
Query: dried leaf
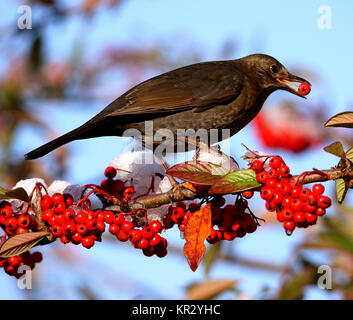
x=236, y=181
x=211, y=256
x=209, y=289
x=343, y=119
x=341, y=189
x=20, y=243
x=349, y=154
x=196, y=231
x=203, y=173
x=336, y=149
x=18, y=193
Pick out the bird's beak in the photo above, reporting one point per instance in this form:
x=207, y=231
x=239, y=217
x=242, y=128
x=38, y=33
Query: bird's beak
x=290, y=80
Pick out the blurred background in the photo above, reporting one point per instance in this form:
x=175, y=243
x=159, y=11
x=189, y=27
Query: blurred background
x=80, y=55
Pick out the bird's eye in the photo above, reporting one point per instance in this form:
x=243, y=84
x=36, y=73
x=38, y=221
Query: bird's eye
x=274, y=68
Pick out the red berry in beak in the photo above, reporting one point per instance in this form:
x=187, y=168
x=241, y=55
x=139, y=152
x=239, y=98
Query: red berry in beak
x=304, y=88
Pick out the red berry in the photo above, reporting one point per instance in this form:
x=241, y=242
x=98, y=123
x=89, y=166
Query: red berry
x=323, y=202
x=135, y=235
x=229, y=235
x=69, y=228
x=24, y=221
x=60, y=219
x=46, y=202
x=289, y=225
x=249, y=224
x=287, y=214
x=272, y=174
x=277, y=197
x=275, y=162
x=147, y=233
x=114, y=229
x=108, y=217
x=119, y=219
x=280, y=216
x=320, y=211
x=21, y=230
x=318, y=189
x=248, y=194
x=256, y=165
x=76, y=238
x=310, y=218
x=266, y=193
x=69, y=214
x=156, y=226
x=304, y=88
x=57, y=197
x=304, y=194
x=59, y=207
x=88, y=242
x=68, y=199
x=296, y=191
x=11, y=223
x=122, y=236
x=297, y=204
x=37, y=257
x=57, y=231
x=82, y=229
x=287, y=202
x=284, y=171
x=262, y=177
x=64, y=239
x=110, y=172
x=143, y=243
x=129, y=192
x=91, y=224
x=149, y=251
x=299, y=217
x=127, y=226
x=155, y=240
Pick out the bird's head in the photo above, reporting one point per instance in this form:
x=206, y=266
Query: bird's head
x=270, y=74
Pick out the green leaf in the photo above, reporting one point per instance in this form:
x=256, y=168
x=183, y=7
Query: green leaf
x=20, y=243
x=18, y=193
x=341, y=189
x=236, y=181
x=343, y=119
x=203, y=173
x=336, y=149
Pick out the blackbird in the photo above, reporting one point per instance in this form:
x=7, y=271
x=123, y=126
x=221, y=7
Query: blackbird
x=210, y=95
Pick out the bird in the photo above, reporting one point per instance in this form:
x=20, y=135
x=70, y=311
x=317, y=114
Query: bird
x=224, y=94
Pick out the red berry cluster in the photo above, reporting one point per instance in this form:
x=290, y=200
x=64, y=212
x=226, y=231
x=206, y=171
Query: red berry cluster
x=12, y=264
x=116, y=187
x=146, y=238
x=232, y=221
x=15, y=222
x=227, y=223
x=295, y=206
x=70, y=223
x=180, y=215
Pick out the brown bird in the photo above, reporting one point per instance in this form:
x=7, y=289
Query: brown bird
x=208, y=95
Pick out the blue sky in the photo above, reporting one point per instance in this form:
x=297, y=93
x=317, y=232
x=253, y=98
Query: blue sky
x=285, y=30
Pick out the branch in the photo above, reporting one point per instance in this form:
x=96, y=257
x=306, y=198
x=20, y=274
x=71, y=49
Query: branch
x=181, y=193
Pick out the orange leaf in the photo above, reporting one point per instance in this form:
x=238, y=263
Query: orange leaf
x=196, y=231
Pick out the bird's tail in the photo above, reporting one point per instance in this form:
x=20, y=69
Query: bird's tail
x=76, y=134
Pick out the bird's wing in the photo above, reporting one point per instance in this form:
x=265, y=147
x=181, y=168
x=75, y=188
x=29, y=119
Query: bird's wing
x=197, y=86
